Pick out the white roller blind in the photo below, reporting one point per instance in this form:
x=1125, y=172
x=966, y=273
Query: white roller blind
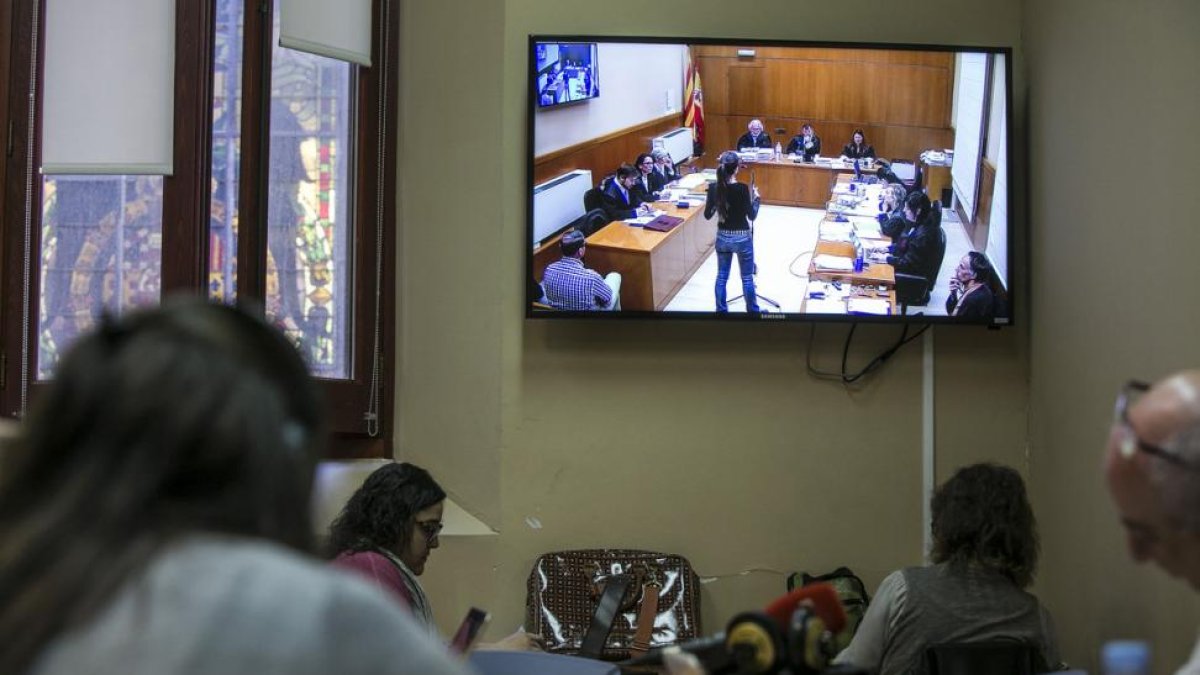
x=109, y=102
x=968, y=128
x=338, y=29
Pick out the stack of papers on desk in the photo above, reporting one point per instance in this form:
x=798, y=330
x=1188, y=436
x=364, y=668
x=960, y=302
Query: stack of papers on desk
x=833, y=262
x=833, y=230
x=866, y=228
x=867, y=306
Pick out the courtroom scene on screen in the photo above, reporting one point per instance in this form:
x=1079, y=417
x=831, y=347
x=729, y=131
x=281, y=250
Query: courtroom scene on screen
x=786, y=181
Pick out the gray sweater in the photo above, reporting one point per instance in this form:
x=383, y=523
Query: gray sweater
x=224, y=605
x=918, y=607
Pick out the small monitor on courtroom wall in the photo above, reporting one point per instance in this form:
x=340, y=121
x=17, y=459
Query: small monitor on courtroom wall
x=886, y=198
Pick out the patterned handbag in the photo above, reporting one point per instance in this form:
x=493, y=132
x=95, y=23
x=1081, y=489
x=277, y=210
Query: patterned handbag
x=611, y=603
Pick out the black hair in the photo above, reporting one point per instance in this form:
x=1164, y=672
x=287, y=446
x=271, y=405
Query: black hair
x=981, y=267
x=572, y=241
x=627, y=171
x=860, y=133
x=918, y=203
x=982, y=516
x=382, y=511
x=192, y=417
x=729, y=163
x=641, y=158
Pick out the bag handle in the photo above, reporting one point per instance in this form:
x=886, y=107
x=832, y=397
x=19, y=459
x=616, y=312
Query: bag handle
x=646, y=615
x=602, y=620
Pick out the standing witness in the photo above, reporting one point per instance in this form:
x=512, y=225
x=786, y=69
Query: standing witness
x=155, y=514
x=1152, y=468
x=736, y=206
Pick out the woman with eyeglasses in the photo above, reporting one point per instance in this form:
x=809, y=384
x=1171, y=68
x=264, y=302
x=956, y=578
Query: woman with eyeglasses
x=386, y=532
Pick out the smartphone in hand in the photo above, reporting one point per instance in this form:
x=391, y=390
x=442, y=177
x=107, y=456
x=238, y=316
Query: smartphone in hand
x=469, y=630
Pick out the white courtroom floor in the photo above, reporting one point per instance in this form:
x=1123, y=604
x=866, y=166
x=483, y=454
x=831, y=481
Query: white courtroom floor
x=784, y=238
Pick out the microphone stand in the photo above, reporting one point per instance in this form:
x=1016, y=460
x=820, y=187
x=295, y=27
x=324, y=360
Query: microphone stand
x=754, y=271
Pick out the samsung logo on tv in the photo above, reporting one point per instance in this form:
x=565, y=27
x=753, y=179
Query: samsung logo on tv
x=776, y=317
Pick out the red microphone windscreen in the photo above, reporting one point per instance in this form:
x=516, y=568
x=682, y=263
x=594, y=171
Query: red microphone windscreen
x=825, y=604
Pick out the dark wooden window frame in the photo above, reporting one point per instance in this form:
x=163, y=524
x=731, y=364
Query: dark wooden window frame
x=186, y=203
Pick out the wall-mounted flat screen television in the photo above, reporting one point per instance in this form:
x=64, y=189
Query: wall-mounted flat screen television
x=567, y=72
x=795, y=181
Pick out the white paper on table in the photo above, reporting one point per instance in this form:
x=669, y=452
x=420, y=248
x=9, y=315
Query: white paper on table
x=824, y=306
x=833, y=262
x=867, y=306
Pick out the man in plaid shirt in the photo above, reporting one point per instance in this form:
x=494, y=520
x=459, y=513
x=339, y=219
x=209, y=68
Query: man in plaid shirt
x=571, y=286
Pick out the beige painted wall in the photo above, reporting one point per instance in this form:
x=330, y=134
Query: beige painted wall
x=1101, y=71
x=706, y=439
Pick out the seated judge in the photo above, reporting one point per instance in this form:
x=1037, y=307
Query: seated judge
x=806, y=144
x=971, y=288
x=755, y=137
x=571, y=286
x=858, y=147
x=664, y=167
x=915, y=251
x=621, y=199
x=386, y=533
x=985, y=551
x=649, y=183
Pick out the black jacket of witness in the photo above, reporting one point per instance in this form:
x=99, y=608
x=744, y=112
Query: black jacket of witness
x=978, y=304
x=796, y=145
x=748, y=141
x=916, y=251
x=858, y=151
x=741, y=209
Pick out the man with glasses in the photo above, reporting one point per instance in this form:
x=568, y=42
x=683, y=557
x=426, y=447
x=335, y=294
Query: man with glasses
x=1153, y=473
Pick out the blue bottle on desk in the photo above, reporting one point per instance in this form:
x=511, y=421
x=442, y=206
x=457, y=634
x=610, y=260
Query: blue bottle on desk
x=858, y=252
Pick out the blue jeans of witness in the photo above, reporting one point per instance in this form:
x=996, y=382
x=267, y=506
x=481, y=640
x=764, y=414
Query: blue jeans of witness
x=741, y=243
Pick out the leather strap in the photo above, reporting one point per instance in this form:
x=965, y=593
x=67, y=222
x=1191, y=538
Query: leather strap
x=602, y=620
x=646, y=615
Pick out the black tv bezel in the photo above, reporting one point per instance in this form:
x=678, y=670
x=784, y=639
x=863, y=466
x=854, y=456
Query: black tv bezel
x=1013, y=282
x=595, y=67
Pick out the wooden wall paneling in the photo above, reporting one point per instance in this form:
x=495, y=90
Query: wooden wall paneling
x=715, y=85
x=747, y=92
x=604, y=154
x=898, y=57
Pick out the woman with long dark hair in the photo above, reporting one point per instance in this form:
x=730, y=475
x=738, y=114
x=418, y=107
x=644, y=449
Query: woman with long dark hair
x=154, y=514
x=858, y=147
x=386, y=532
x=736, y=206
x=985, y=552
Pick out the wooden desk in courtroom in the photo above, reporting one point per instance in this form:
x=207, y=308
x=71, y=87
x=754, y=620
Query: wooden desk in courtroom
x=653, y=265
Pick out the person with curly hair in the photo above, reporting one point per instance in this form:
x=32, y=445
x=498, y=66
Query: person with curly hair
x=985, y=551
x=386, y=532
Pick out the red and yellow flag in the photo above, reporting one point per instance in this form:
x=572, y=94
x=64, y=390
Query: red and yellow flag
x=693, y=106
